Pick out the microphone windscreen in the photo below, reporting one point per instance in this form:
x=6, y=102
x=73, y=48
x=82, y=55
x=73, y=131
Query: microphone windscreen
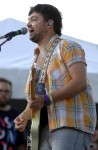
x=24, y=30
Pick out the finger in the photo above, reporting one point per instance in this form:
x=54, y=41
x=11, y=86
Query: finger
x=22, y=118
x=16, y=120
x=19, y=127
x=21, y=130
x=18, y=123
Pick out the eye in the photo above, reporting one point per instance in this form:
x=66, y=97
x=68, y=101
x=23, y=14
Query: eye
x=34, y=19
x=5, y=91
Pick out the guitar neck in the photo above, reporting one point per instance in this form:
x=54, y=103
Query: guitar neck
x=32, y=88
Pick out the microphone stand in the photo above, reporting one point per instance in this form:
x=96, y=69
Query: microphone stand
x=8, y=39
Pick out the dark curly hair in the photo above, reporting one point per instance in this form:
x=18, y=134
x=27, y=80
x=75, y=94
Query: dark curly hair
x=49, y=12
x=6, y=81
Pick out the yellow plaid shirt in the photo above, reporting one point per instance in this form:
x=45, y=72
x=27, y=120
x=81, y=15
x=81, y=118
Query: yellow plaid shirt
x=79, y=111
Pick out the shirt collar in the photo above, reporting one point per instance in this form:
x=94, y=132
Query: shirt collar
x=50, y=42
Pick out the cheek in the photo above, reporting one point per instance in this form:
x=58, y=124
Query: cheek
x=35, y=23
x=9, y=96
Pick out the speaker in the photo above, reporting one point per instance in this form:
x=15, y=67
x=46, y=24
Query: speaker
x=49, y=23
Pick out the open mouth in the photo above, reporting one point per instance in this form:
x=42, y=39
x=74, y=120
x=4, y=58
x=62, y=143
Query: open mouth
x=31, y=31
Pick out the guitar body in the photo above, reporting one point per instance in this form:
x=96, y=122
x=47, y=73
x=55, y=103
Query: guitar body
x=35, y=131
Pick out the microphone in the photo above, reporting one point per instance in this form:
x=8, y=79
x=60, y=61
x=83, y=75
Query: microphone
x=14, y=33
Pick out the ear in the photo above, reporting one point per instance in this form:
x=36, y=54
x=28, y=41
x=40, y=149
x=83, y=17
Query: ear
x=50, y=23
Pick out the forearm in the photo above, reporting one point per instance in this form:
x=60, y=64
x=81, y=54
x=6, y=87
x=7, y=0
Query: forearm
x=67, y=91
x=27, y=112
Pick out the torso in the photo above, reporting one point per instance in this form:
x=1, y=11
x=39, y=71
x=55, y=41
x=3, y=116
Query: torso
x=41, y=58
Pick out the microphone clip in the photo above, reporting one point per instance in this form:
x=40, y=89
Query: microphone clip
x=8, y=39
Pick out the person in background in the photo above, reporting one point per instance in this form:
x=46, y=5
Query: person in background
x=70, y=106
x=10, y=138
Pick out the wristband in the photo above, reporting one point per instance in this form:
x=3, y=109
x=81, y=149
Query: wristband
x=46, y=100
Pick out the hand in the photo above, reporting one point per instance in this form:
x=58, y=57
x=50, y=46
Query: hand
x=38, y=103
x=20, y=122
x=95, y=136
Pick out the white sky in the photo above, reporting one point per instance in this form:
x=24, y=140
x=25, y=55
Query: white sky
x=80, y=17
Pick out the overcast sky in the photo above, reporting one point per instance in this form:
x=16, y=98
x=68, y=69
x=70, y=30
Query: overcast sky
x=80, y=17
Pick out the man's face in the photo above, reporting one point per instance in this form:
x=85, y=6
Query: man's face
x=5, y=94
x=37, y=27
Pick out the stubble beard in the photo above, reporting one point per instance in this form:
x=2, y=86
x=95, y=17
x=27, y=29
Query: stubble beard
x=35, y=38
x=3, y=104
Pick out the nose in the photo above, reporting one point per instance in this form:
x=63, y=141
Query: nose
x=29, y=24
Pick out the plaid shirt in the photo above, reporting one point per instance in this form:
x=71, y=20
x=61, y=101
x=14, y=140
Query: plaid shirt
x=78, y=111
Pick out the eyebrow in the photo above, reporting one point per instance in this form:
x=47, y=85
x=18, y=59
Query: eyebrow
x=32, y=17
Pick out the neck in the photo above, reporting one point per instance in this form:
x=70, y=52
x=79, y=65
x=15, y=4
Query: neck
x=42, y=44
x=5, y=108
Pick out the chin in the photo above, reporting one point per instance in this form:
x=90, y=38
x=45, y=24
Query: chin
x=33, y=40
x=4, y=104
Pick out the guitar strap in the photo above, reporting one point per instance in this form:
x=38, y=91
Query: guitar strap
x=40, y=88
